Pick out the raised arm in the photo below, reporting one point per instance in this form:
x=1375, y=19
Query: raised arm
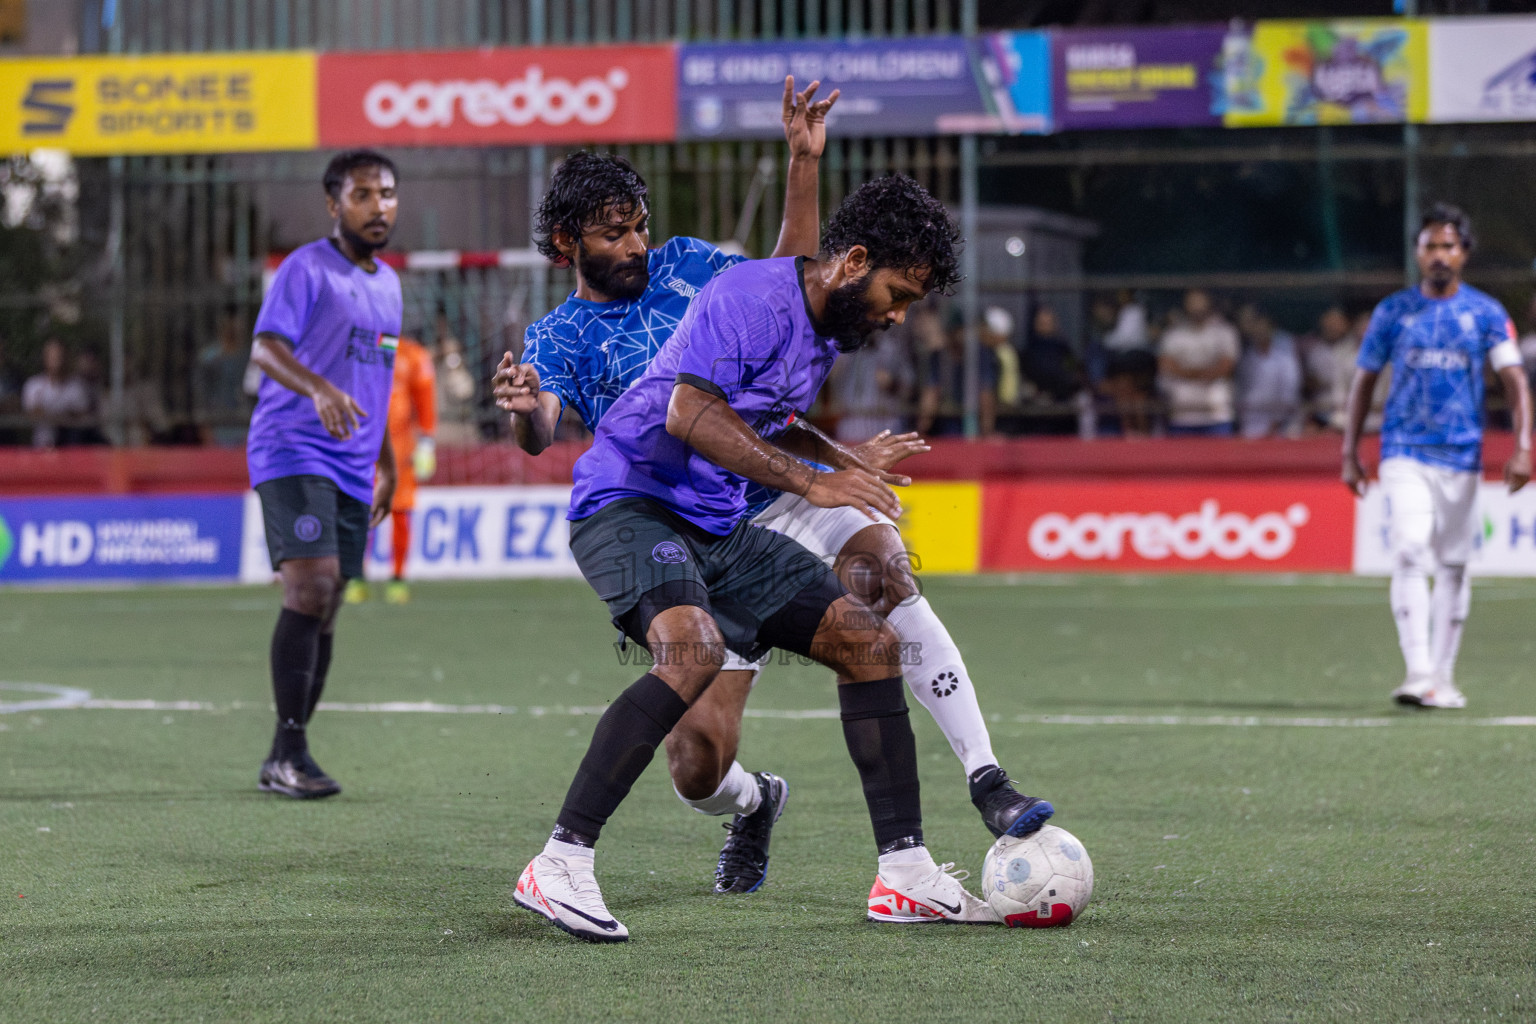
x=711, y=427
x=805, y=130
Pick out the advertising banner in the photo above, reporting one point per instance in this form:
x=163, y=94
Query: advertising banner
x=1136, y=78
x=918, y=85
x=192, y=103
x=108, y=539
x=1167, y=526
x=1365, y=71
x=941, y=525
x=457, y=533
x=1506, y=536
x=1482, y=69
x=498, y=96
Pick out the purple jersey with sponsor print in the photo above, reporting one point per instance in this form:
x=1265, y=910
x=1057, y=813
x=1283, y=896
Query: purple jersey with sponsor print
x=747, y=338
x=344, y=324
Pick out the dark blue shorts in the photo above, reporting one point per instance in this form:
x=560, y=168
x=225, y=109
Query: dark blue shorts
x=310, y=517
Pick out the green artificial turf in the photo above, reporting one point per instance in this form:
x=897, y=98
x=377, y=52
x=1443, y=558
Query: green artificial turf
x=1382, y=868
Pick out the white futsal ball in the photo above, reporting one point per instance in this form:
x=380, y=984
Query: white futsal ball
x=1041, y=881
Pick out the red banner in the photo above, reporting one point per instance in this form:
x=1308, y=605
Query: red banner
x=499, y=97
x=1167, y=526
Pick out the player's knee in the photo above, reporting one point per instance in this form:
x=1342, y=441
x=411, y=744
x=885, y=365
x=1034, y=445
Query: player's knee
x=1413, y=558
x=688, y=649
x=317, y=594
x=697, y=762
x=855, y=641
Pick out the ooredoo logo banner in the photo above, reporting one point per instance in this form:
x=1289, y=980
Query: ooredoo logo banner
x=499, y=96
x=1167, y=526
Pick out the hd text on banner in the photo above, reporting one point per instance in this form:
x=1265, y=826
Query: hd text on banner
x=191, y=103
x=90, y=539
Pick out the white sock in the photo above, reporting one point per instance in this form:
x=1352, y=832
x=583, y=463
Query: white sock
x=1410, y=607
x=941, y=684
x=904, y=867
x=570, y=853
x=1448, y=606
x=738, y=793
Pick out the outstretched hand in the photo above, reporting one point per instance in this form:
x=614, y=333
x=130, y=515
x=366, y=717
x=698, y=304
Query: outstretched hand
x=1354, y=476
x=515, y=386
x=884, y=450
x=1517, y=472
x=855, y=488
x=805, y=118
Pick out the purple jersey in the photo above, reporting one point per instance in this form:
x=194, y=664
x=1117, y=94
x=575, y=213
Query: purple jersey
x=344, y=324
x=748, y=339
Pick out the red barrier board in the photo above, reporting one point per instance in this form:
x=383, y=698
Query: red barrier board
x=499, y=96
x=1188, y=525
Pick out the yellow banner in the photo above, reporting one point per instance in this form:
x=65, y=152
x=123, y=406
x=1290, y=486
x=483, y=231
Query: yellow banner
x=941, y=525
x=1364, y=71
x=121, y=105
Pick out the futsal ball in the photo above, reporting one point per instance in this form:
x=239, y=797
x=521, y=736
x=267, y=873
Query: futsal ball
x=1041, y=881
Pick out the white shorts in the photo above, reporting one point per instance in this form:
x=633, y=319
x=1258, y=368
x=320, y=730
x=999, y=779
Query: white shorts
x=821, y=531
x=1430, y=508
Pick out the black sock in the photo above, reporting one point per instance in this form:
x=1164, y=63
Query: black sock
x=625, y=741
x=295, y=646
x=322, y=666
x=880, y=741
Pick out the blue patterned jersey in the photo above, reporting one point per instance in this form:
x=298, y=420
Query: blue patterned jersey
x=1437, y=348
x=589, y=353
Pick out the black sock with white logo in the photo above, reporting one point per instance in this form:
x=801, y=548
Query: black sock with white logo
x=295, y=648
x=623, y=744
x=878, y=732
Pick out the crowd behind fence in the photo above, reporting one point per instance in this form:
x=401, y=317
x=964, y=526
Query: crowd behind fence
x=1148, y=365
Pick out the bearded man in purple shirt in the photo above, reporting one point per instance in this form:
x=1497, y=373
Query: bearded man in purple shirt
x=318, y=451
x=658, y=531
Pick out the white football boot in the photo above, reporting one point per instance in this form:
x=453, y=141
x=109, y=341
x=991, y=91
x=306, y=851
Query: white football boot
x=568, y=896
x=1444, y=695
x=1414, y=689
x=937, y=899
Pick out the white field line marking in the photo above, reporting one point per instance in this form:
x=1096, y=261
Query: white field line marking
x=65, y=698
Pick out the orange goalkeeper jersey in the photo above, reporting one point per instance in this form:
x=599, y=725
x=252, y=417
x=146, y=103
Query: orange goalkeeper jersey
x=412, y=412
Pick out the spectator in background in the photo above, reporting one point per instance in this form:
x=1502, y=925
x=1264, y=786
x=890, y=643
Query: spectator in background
x=941, y=359
x=455, y=388
x=1327, y=366
x=1002, y=360
x=1055, y=372
x=89, y=372
x=141, y=419
x=1527, y=343
x=10, y=397
x=223, y=408
x=1268, y=378
x=871, y=388
x=1195, y=362
x=57, y=402
x=1128, y=371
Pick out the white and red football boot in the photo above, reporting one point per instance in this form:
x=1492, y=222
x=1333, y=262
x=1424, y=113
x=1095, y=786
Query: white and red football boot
x=938, y=898
x=567, y=894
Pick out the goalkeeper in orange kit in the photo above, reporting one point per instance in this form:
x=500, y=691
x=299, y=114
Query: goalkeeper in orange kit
x=412, y=422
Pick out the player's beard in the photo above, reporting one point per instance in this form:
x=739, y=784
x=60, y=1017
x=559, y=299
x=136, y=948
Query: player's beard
x=607, y=276
x=846, y=317
x=360, y=245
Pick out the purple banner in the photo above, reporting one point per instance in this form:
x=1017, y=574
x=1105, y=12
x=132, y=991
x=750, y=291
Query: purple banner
x=1135, y=78
x=890, y=86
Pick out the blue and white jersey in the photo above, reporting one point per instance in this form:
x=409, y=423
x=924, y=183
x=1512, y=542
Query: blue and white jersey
x=589, y=353
x=1437, y=348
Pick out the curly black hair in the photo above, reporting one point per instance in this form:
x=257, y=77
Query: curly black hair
x=344, y=163
x=1455, y=216
x=901, y=226
x=585, y=187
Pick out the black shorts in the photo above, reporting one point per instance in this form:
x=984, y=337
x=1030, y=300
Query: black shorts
x=310, y=517
x=762, y=589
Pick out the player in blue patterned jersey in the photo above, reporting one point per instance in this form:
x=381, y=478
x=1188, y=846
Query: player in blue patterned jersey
x=1436, y=337
x=586, y=370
